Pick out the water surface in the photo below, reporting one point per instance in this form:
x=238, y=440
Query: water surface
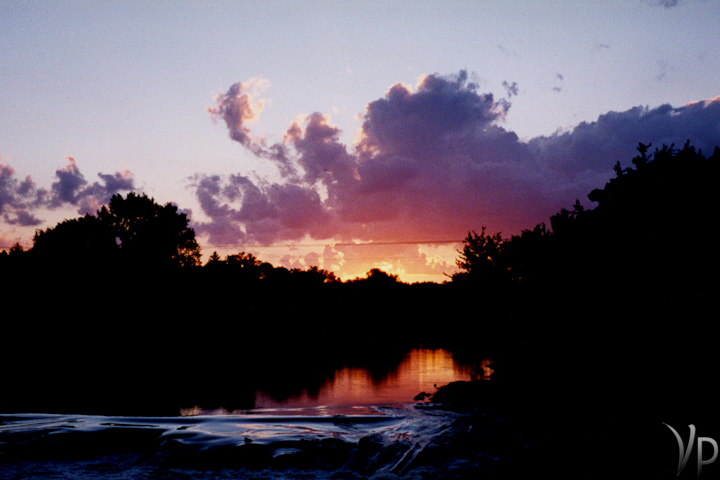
x=421, y=370
x=355, y=390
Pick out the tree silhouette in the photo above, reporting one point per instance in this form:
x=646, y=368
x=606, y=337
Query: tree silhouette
x=527, y=255
x=131, y=232
x=83, y=242
x=651, y=221
x=315, y=275
x=482, y=261
x=377, y=278
x=213, y=259
x=11, y=261
x=150, y=233
x=646, y=233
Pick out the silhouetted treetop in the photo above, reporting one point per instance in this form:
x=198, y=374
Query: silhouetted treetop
x=247, y=269
x=134, y=231
x=649, y=231
x=84, y=240
x=12, y=259
x=377, y=277
x=482, y=260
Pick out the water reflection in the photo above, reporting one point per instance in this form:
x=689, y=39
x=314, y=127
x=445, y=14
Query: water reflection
x=420, y=371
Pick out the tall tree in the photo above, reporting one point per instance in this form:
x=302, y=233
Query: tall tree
x=133, y=231
x=481, y=260
x=149, y=232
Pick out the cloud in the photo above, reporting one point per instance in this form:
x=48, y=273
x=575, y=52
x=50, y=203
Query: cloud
x=23, y=218
x=98, y=194
x=511, y=90
x=19, y=200
x=243, y=211
x=72, y=188
x=432, y=162
x=600, y=46
x=236, y=108
x=664, y=3
x=594, y=147
x=417, y=154
x=70, y=182
x=507, y=53
x=663, y=68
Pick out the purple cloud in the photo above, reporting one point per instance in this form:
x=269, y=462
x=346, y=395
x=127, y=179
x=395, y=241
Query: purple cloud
x=72, y=188
x=236, y=109
x=66, y=188
x=19, y=200
x=512, y=89
x=665, y=3
x=430, y=162
x=597, y=146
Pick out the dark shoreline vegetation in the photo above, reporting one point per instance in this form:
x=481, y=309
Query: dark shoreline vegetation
x=607, y=309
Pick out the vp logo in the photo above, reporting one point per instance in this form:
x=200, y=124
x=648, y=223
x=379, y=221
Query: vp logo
x=684, y=454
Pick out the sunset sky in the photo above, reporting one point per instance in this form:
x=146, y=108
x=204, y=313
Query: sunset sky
x=293, y=129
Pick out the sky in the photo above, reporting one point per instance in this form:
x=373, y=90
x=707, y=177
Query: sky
x=346, y=135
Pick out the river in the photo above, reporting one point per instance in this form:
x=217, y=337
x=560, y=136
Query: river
x=353, y=389
x=356, y=425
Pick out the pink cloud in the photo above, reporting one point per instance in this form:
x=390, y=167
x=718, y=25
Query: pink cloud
x=436, y=162
x=430, y=162
x=20, y=200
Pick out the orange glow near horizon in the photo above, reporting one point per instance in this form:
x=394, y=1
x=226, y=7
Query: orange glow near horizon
x=421, y=371
x=411, y=261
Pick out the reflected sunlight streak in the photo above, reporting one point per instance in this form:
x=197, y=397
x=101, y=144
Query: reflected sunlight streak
x=422, y=370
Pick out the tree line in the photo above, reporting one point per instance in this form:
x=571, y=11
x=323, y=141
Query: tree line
x=650, y=233
x=648, y=230
x=116, y=308
x=134, y=235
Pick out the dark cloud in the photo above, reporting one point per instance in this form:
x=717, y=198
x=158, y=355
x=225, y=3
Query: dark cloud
x=72, y=188
x=419, y=152
x=242, y=211
x=320, y=154
x=91, y=198
x=434, y=162
x=23, y=218
x=234, y=107
x=19, y=200
x=511, y=90
x=68, y=185
x=8, y=186
x=594, y=147
x=665, y=3
x=419, y=124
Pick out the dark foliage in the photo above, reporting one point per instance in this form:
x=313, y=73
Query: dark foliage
x=122, y=314
x=131, y=232
x=483, y=260
x=647, y=234
x=377, y=278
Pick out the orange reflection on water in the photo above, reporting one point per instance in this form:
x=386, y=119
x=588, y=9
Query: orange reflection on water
x=420, y=371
